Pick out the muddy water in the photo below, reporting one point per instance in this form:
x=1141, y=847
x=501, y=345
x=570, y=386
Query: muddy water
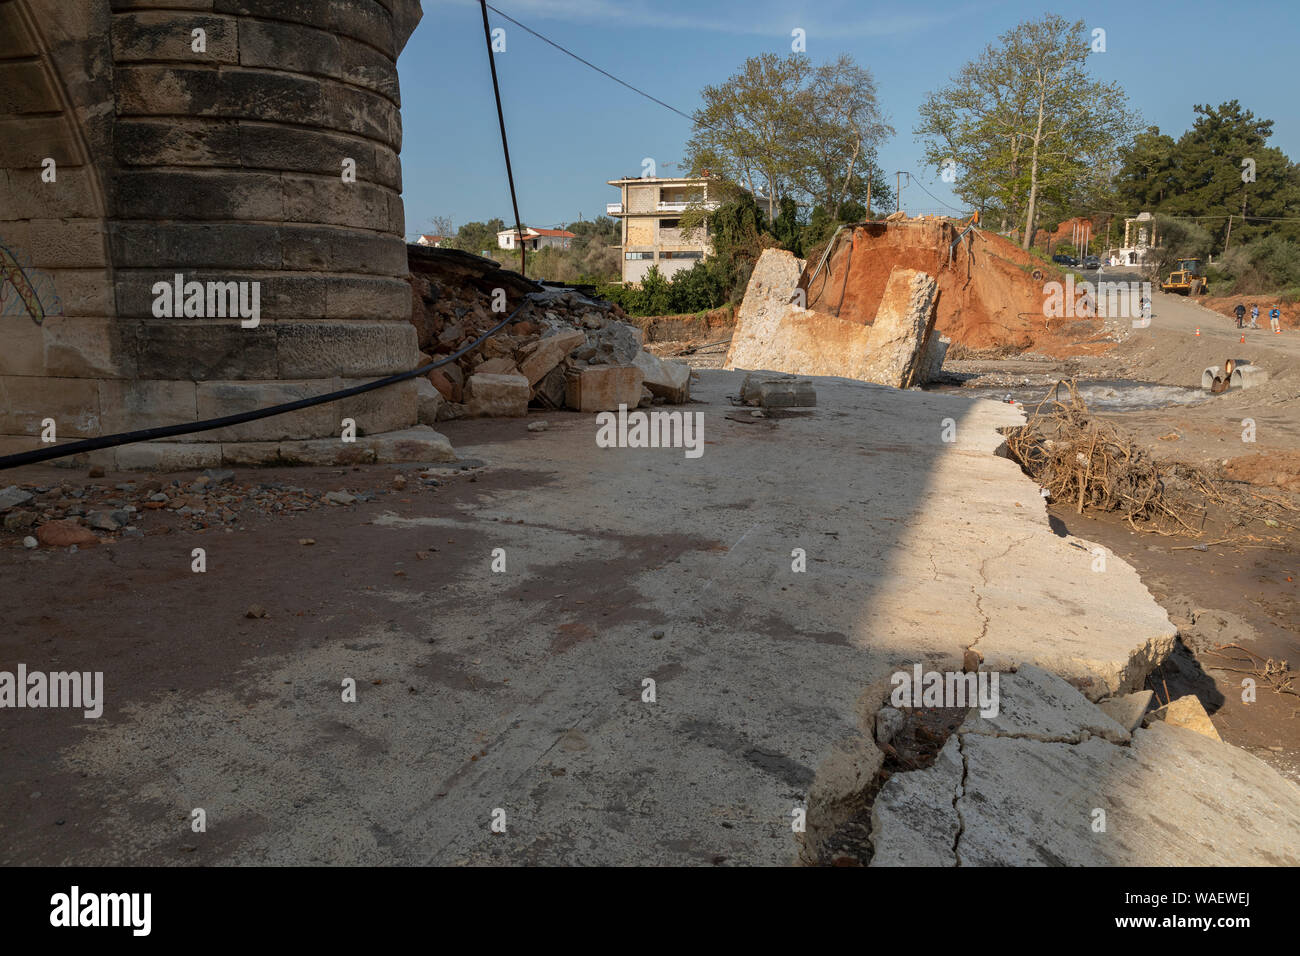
x=1114, y=395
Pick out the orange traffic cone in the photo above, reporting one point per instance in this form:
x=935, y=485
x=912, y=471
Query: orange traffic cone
x=1198, y=330
x=1243, y=337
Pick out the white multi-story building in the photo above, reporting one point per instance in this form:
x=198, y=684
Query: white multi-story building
x=650, y=212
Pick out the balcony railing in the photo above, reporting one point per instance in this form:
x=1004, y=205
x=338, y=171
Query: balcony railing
x=682, y=205
x=613, y=208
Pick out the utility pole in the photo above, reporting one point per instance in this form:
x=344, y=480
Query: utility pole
x=869, y=172
x=898, y=188
x=1228, y=238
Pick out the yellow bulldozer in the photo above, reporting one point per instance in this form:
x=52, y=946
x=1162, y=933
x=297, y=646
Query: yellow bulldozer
x=1187, y=279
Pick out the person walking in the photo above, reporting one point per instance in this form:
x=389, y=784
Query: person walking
x=1275, y=319
x=1254, y=316
x=1240, y=311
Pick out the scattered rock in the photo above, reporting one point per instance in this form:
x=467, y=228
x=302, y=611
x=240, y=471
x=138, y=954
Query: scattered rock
x=306, y=541
x=62, y=534
x=255, y=611
x=104, y=521
x=12, y=497
x=497, y=395
x=537, y=426
x=29, y=542
x=1190, y=713
x=339, y=498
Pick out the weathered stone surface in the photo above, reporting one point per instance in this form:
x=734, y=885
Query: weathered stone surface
x=12, y=497
x=766, y=303
x=550, y=351
x=932, y=356
x=1127, y=710
x=61, y=534
x=889, y=720
x=668, y=380
x=1190, y=713
x=348, y=349
x=497, y=395
x=168, y=456
x=905, y=318
x=431, y=401
x=215, y=399
x=913, y=821
x=1172, y=798
x=602, y=388
x=1035, y=704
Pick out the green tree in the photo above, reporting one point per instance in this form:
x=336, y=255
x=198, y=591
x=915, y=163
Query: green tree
x=1026, y=121
x=478, y=237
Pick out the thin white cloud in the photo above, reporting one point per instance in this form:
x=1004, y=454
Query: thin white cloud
x=749, y=18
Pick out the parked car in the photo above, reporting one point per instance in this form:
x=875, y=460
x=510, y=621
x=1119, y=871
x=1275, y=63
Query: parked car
x=1065, y=260
x=1091, y=262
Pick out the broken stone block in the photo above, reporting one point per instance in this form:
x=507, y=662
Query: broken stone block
x=905, y=317
x=1036, y=704
x=448, y=411
x=431, y=401
x=440, y=380
x=777, y=391
x=550, y=390
x=497, y=396
x=549, y=353
x=1190, y=713
x=668, y=380
x=931, y=364
x=1127, y=711
x=602, y=388
x=913, y=821
x=502, y=365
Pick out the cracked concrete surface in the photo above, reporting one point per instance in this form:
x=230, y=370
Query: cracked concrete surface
x=522, y=690
x=1054, y=781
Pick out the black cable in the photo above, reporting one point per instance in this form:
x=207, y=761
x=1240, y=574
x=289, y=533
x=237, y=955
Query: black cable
x=186, y=428
x=584, y=62
x=501, y=119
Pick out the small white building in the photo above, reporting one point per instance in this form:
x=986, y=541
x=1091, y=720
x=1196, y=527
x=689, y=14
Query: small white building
x=435, y=241
x=533, y=239
x=1139, y=241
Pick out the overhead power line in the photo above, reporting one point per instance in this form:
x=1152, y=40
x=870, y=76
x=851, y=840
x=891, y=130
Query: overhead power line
x=588, y=63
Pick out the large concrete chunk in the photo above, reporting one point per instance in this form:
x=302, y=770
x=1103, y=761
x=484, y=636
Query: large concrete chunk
x=497, y=395
x=914, y=820
x=549, y=353
x=905, y=318
x=1128, y=709
x=602, y=388
x=1035, y=704
x=1171, y=798
x=668, y=380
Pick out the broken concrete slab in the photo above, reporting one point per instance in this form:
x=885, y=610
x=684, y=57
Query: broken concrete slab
x=551, y=350
x=777, y=334
x=497, y=395
x=1171, y=798
x=1127, y=710
x=602, y=388
x=904, y=320
x=665, y=379
x=1189, y=712
x=1035, y=704
x=913, y=822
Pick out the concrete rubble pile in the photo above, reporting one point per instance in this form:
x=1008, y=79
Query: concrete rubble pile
x=565, y=349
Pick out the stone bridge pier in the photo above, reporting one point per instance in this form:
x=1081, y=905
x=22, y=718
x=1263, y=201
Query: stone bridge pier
x=252, y=142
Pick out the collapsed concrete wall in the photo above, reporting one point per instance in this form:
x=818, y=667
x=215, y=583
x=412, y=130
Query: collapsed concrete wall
x=234, y=141
x=899, y=348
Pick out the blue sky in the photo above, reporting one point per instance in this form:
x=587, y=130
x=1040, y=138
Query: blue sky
x=572, y=129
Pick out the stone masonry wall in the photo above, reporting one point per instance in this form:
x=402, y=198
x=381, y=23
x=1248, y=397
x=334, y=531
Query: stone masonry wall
x=220, y=164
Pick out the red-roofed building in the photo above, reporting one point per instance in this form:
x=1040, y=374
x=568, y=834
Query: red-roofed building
x=533, y=239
